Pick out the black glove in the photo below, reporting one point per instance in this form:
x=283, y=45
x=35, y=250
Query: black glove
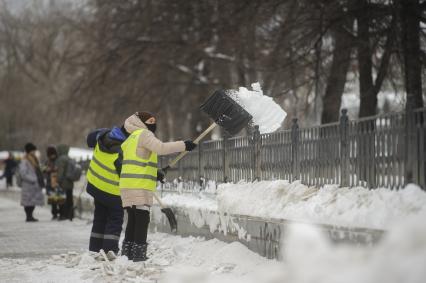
x=161, y=174
x=189, y=145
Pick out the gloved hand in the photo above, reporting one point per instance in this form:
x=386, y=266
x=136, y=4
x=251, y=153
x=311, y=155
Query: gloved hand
x=161, y=174
x=189, y=145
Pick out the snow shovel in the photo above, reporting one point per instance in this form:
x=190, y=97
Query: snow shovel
x=225, y=112
x=169, y=214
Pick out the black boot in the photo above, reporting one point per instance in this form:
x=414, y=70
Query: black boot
x=139, y=252
x=127, y=249
x=29, y=212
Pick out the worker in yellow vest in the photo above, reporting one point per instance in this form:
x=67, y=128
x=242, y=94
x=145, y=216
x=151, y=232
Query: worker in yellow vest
x=103, y=186
x=138, y=178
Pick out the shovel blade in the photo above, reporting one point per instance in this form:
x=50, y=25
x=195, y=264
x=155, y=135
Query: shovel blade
x=227, y=113
x=171, y=218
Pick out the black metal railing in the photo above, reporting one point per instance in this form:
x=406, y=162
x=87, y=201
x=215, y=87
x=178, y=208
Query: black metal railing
x=381, y=151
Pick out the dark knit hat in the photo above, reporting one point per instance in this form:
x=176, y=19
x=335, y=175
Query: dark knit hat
x=30, y=147
x=144, y=116
x=51, y=150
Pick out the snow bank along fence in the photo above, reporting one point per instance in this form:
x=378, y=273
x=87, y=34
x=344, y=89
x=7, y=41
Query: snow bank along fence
x=380, y=151
x=263, y=236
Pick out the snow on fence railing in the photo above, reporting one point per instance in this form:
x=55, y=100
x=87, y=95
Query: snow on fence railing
x=380, y=151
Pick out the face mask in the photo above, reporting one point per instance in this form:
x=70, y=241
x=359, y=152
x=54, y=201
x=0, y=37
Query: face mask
x=152, y=127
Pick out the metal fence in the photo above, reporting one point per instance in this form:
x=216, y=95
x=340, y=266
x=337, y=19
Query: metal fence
x=380, y=151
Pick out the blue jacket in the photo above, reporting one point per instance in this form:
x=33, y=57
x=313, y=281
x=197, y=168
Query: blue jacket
x=109, y=140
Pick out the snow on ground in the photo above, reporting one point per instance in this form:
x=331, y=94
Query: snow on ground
x=19, y=239
x=191, y=201
x=353, y=207
x=267, y=114
x=308, y=258
x=172, y=259
x=75, y=153
x=4, y=155
x=400, y=257
x=80, y=153
x=16, y=154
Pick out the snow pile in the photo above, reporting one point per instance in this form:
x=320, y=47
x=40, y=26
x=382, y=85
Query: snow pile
x=4, y=155
x=351, y=207
x=400, y=257
x=190, y=201
x=201, y=210
x=16, y=154
x=308, y=255
x=267, y=114
x=356, y=207
x=80, y=153
x=172, y=259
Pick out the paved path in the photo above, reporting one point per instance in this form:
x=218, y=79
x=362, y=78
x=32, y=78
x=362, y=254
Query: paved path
x=19, y=239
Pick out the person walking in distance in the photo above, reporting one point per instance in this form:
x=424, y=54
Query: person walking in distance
x=30, y=179
x=10, y=165
x=102, y=185
x=51, y=172
x=68, y=173
x=138, y=178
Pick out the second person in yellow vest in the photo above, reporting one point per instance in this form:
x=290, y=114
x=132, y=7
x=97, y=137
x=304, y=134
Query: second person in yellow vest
x=138, y=178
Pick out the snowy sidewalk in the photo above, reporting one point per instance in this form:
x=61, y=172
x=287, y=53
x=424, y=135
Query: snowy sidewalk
x=53, y=251
x=309, y=256
x=19, y=239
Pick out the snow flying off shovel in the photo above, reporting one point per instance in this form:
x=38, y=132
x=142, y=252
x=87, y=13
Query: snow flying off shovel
x=225, y=112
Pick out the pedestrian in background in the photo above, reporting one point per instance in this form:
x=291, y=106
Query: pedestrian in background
x=54, y=197
x=68, y=173
x=10, y=165
x=31, y=182
x=138, y=178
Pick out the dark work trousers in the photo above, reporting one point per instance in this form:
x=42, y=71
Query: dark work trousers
x=9, y=181
x=29, y=211
x=67, y=209
x=55, y=207
x=107, y=226
x=137, y=225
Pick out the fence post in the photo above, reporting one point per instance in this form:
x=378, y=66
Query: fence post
x=410, y=145
x=294, y=150
x=344, y=148
x=257, y=142
x=225, y=158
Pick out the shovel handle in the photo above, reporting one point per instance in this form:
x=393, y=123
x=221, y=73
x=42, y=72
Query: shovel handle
x=158, y=200
x=196, y=141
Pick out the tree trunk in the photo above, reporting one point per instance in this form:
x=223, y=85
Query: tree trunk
x=410, y=28
x=368, y=103
x=337, y=78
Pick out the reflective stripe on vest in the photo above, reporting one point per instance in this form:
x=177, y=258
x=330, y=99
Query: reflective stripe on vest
x=137, y=173
x=102, y=173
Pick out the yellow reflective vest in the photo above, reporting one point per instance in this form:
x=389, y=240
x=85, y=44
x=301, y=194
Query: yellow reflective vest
x=102, y=173
x=136, y=172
